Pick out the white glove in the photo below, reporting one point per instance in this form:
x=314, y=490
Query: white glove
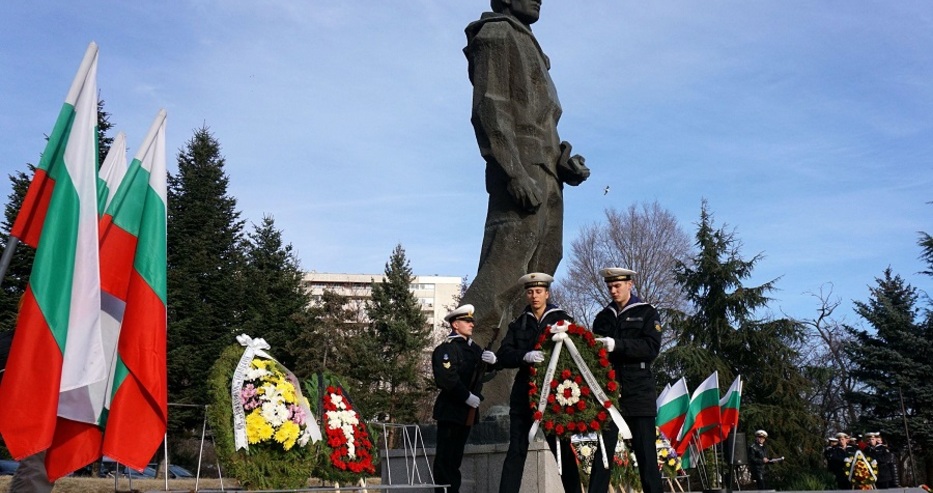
x=533, y=357
x=472, y=401
x=488, y=357
x=609, y=342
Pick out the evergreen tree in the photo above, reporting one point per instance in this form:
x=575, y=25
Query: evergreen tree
x=205, y=265
x=391, y=348
x=278, y=304
x=104, y=140
x=724, y=333
x=890, y=362
x=325, y=342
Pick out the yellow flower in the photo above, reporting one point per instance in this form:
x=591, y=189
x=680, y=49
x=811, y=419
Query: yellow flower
x=257, y=429
x=287, y=434
x=664, y=452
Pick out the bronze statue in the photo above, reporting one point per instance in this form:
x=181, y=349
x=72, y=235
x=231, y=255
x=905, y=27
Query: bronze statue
x=515, y=114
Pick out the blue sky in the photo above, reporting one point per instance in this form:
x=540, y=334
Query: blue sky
x=806, y=125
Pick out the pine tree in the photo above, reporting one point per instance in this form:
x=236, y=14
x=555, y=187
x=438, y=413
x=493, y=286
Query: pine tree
x=278, y=304
x=205, y=266
x=391, y=348
x=724, y=333
x=325, y=342
x=891, y=362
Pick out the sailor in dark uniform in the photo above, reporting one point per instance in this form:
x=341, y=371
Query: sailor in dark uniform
x=630, y=330
x=456, y=362
x=887, y=462
x=758, y=458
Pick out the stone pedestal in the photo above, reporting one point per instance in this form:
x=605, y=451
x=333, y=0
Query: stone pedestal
x=482, y=462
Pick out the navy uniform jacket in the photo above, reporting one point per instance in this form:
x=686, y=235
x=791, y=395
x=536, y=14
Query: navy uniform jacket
x=520, y=339
x=756, y=459
x=887, y=464
x=454, y=362
x=637, y=333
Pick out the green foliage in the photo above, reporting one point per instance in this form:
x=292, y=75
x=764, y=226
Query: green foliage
x=808, y=481
x=324, y=344
x=890, y=361
x=261, y=468
x=388, y=379
x=277, y=309
x=205, y=282
x=724, y=333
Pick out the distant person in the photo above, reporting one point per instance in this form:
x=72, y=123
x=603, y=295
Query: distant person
x=517, y=351
x=630, y=330
x=887, y=461
x=836, y=460
x=457, y=364
x=758, y=458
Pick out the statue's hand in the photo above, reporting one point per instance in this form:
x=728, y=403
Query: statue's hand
x=571, y=169
x=524, y=192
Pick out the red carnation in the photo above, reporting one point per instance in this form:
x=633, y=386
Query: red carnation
x=551, y=399
x=604, y=363
x=578, y=379
x=565, y=374
x=581, y=404
x=568, y=392
x=548, y=425
x=601, y=416
x=571, y=426
x=611, y=374
x=533, y=371
x=585, y=391
x=553, y=384
x=602, y=353
x=538, y=415
x=559, y=429
x=612, y=386
x=607, y=404
x=594, y=425
x=569, y=409
x=555, y=408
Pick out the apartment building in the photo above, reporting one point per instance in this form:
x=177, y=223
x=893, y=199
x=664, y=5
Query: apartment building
x=436, y=294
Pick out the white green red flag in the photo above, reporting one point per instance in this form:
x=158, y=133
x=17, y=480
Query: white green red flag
x=111, y=172
x=702, y=412
x=57, y=356
x=729, y=406
x=133, y=281
x=672, y=410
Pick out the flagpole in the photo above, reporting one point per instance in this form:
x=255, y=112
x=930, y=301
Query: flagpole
x=151, y=135
x=8, y=251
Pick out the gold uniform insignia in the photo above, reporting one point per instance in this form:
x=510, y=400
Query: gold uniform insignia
x=447, y=365
x=657, y=326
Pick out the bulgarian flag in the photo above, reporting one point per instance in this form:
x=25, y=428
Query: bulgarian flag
x=133, y=281
x=729, y=407
x=702, y=413
x=672, y=410
x=111, y=172
x=57, y=360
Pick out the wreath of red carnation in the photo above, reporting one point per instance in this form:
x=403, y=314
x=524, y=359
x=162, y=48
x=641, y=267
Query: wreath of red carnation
x=572, y=406
x=351, y=447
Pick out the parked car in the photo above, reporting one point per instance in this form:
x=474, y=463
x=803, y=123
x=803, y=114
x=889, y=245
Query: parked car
x=147, y=473
x=8, y=467
x=176, y=471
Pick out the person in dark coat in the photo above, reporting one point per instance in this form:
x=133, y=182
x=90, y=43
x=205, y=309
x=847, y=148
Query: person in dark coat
x=517, y=351
x=458, y=364
x=630, y=330
x=887, y=461
x=758, y=458
x=836, y=460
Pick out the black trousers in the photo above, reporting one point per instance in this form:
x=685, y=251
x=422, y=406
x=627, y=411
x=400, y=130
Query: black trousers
x=514, y=465
x=451, y=440
x=758, y=475
x=646, y=453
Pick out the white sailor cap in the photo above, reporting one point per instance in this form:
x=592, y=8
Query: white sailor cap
x=536, y=279
x=842, y=434
x=464, y=312
x=761, y=433
x=612, y=274
x=872, y=434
